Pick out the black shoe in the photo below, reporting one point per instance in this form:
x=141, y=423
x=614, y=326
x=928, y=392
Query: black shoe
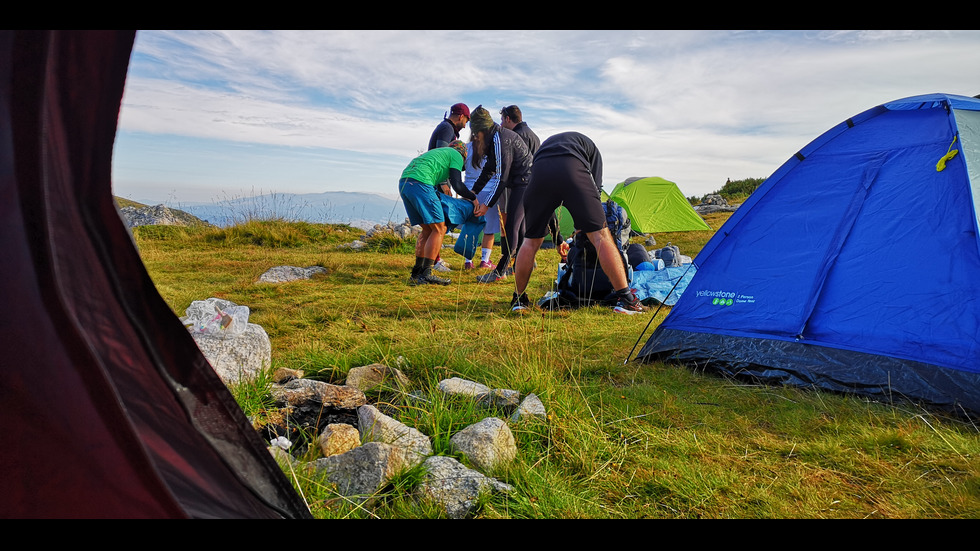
x=430, y=279
x=520, y=304
x=491, y=276
x=426, y=278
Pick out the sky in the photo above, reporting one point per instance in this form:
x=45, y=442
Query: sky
x=213, y=115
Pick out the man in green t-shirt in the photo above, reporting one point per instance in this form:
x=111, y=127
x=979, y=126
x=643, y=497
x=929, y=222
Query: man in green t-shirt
x=417, y=187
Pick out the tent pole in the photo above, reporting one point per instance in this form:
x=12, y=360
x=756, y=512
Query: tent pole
x=654, y=316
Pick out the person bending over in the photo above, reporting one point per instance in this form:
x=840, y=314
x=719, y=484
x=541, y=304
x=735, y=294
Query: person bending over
x=417, y=187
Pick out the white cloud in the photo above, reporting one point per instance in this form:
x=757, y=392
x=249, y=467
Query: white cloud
x=693, y=106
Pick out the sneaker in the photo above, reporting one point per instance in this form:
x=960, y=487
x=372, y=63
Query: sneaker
x=441, y=266
x=520, y=305
x=469, y=265
x=629, y=305
x=487, y=264
x=490, y=277
x=427, y=278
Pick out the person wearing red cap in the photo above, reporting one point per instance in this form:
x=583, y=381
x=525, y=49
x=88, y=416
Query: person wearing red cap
x=445, y=133
x=448, y=130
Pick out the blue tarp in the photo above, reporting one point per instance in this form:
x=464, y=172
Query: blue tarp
x=459, y=212
x=665, y=286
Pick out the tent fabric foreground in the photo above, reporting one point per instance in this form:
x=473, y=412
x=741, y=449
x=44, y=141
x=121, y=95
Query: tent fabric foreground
x=853, y=268
x=109, y=408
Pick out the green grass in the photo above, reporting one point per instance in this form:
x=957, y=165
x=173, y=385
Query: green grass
x=621, y=441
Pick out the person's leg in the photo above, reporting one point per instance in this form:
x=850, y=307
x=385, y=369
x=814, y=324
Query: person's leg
x=426, y=210
x=486, y=249
x=487, y=241
x=423, y=238
x=525, y=263
x=433, y=242
x=611, y=261
x=513, y=229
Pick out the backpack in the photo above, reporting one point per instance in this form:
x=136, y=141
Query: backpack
x=583, y=280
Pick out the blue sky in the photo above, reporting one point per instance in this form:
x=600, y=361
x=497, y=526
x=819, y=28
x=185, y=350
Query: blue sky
x=211, y=115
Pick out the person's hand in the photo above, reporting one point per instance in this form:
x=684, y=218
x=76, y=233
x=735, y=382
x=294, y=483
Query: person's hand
x=563, y=250
x=480, y=210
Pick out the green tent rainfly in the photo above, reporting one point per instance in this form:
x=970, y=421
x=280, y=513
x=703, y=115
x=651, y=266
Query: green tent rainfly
x=656, y=205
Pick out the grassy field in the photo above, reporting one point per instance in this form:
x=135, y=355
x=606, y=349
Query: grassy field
x=623, y=440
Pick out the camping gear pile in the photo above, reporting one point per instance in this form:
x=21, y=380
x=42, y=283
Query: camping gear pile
x=658, y=276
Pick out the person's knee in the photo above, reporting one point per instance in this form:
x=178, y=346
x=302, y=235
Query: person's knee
x=436, y=228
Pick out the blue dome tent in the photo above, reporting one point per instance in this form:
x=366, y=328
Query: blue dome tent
x=854, y=267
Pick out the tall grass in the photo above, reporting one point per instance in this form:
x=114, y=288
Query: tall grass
x=621, y=440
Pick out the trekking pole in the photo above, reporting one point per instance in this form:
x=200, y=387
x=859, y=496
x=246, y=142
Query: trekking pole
x=655, y=314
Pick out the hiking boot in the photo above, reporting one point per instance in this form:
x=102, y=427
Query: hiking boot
x=441, y=266
x=427, y=278
x=629, y=305
x=520, y=304
x=487, y=264
x=469, y=265
x=490, y=277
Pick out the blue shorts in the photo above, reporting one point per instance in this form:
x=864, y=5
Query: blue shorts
x=421, y=202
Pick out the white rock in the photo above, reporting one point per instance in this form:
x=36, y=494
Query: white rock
x=488, y=444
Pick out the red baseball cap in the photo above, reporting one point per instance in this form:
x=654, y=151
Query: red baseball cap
x=460, y=109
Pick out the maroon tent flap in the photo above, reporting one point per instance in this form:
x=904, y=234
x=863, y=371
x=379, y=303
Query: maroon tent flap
x=108, y=407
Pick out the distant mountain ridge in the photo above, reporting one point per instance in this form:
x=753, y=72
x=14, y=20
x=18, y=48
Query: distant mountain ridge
x=359, y=209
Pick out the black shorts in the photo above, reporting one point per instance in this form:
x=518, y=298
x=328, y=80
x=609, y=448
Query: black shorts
x=562, y=181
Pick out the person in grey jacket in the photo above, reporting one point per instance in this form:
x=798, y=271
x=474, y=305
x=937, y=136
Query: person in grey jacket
x=511, y=118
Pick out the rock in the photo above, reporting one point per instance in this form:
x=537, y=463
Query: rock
x=309, y=407
x=378, y=427
x=377, y=377
x=284, y=375
x=456, y=488
x=499, y=397
x=158, y=215
x=365, y=469
x=284, y=274
x=338, y=438
x=458, y=386
x=714, y=203
x=531, y=406
x=488, y=444
x=356, y=244
x=714, y=199
x=239, y=357
x=299, y=391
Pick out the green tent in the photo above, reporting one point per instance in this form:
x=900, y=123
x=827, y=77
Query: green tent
x=656, y=205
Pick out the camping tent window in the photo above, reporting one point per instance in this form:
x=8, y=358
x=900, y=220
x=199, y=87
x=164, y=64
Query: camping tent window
x=968, y=124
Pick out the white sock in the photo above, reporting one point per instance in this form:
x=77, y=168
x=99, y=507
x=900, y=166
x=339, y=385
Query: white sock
x=485, y=255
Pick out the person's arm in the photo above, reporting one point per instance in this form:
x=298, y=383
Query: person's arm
x=456, y=181
x=490, y=177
